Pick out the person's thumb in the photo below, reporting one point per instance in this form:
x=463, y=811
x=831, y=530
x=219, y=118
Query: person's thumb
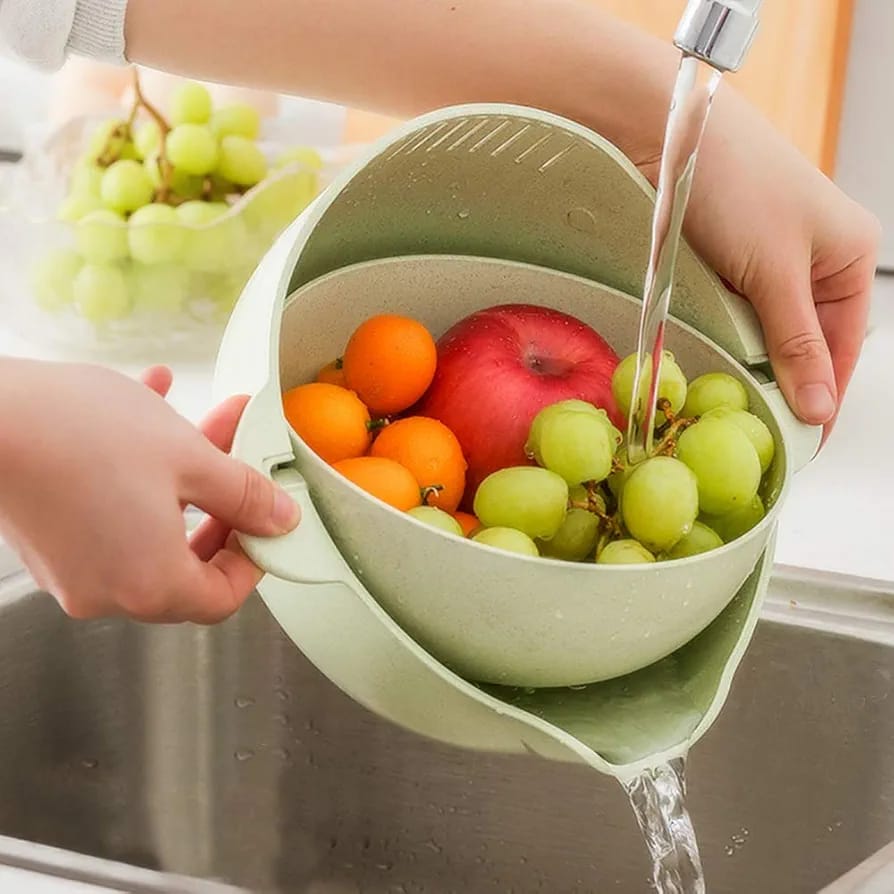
x=241, y=497
x=796, y=346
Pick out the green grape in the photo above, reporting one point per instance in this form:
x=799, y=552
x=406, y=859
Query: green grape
x=152, y=164
x=192, y=148
x=507, y=539
x=724, y=462
x=624, y=552
x=159, y=289
x=200, y=214
x=241, y=161
x=220, y=188
x=575, y=539
x=78, y=206
x=760, y=436
x=101, y=237
x=129, y=152
x=86, y=179
x=701, y=539
x=185, y=186
x=147, y=139
x=532, y=447
x=102, y=141
x=224, y=289
x=155, y=234
x=671, y=384
x=52, y=279
x=437, y=518
x=237, y=120
x=576, y=445
x=126, y=186
x=618, y=478
x=300, y=155
x=190, y=104
x=214, y=242
x=660, y=502
x=278, y=202
x=714, y=390
x=100, y=293
x=738, y=522
x=527, y=498
x=578, y=493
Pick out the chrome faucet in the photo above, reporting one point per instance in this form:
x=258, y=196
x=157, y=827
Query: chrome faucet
x=718, y=32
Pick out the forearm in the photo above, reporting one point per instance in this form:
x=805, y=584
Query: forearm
x=403, y=58
x=19, y=384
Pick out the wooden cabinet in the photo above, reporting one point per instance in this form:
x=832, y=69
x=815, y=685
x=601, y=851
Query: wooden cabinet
x=794, y=72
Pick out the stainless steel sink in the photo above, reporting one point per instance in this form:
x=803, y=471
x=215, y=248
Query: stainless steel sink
x=221, y=754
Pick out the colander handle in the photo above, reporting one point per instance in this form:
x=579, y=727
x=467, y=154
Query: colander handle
x=305, y=555
x=802, y=440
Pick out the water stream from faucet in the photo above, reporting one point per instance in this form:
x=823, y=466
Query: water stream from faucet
x=658, y=794
x=691, y=102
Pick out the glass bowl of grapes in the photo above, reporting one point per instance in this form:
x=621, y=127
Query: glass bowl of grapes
x=134, y=236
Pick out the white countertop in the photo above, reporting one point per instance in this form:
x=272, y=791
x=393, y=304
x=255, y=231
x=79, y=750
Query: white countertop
x=840, y=513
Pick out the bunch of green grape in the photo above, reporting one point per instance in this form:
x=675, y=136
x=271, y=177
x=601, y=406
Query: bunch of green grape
x=703, y=485
x=165, y=210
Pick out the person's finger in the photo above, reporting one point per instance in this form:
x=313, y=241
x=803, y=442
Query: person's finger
x=220, y=425
x=844, y=324
x=158, y=379
x=842, y=305
x=796, y=345
x=237, y=495
x=218, y=588
x=208, y=538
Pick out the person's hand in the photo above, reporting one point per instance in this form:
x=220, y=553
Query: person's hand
x=96, y=472
x=793, y=244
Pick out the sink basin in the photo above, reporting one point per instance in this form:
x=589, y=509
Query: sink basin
x=222, y=754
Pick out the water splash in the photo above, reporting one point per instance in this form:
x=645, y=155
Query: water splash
x=658, y=799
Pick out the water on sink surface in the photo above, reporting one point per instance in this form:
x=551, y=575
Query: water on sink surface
x=362, y=806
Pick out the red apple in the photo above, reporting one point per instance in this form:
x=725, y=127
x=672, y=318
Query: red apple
x=499, y=367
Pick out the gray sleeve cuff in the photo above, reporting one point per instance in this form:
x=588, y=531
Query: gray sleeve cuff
x=97, y=30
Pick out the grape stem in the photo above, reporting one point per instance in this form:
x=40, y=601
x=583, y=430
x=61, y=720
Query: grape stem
x=594, y=504
x=123, y=133
x=163, y=194
x=668, y=443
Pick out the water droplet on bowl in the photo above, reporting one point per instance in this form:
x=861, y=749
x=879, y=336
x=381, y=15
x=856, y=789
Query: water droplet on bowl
x=464, y=214
x=243, y=754
x=243, y=702
x=89, y=763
